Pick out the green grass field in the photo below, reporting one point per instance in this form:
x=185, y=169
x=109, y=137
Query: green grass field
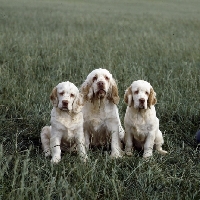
x=44, y=42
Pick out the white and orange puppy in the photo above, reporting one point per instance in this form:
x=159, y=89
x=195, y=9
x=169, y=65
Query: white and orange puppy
x=66, y=130
x=141, y=123
x=102, y=125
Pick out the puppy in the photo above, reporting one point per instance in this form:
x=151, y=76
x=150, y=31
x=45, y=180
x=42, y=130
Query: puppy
x=102, y=126
x=66, y=128
x=141, y=123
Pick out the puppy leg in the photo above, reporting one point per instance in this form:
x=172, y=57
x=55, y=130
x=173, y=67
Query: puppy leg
x=45, y=139
x=116, y=151
x=87, y=139
x=80, y=140
x=128, y=142
x=148, y=145
x=55, y=149
x=159, y=142
x=113, y=127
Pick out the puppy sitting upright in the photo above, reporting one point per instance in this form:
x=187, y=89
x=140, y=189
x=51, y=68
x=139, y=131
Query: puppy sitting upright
x=66, y=128
x=141, y=123
x=102, y=125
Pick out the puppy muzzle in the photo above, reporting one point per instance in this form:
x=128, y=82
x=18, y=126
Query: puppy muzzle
x=142, y=103
x=101, y=89
x=65, y=105
x=101, y=93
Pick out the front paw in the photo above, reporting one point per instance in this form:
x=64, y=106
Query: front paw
x=47, y=153
x=117, y=154
x=147, y=154
x=55, y=159
x=129, y=153
x=84, y=158
x=163, y=152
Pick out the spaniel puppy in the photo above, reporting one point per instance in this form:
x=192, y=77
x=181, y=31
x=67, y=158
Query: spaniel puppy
x=66, y=128
x=102, y=125
x=141, y=123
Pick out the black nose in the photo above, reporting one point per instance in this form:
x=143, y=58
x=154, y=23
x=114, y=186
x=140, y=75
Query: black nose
x=142, y=100
x=100, y=83
x=65, y=103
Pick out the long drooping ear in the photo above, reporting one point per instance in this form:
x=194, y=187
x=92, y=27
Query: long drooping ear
x=128, y=97
x=113, y=92
x=152, y=98
x=86, y=91
x=53, y=97
x=78, y=103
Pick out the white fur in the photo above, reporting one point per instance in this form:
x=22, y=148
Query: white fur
x=141, y=123
x=102, y=124
x=66, y=130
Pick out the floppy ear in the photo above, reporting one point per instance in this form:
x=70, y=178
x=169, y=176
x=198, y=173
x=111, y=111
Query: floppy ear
x=113, y=92
x=78, y=104
x=53, y=97
x=128, y=97
x=86, y=91
x=152, y=98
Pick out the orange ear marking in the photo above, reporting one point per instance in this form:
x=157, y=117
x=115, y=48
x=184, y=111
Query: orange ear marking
x=127, y=93
x=85, y=91
x=53, y=96
x=152, y=98
x=78, y=103
x=113, y=94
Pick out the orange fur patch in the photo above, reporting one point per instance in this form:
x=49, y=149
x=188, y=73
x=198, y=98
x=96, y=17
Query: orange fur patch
x=114, y=96
x=152, y=98
x=85, y=91
x=127, y=93
x=53, y=95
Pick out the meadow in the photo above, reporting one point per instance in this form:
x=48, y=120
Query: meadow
x=44, y=42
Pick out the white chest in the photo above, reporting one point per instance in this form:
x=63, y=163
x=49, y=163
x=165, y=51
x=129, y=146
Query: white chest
x=141, y=125
x=64, y=120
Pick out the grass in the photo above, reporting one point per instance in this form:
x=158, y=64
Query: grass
x=45, y=42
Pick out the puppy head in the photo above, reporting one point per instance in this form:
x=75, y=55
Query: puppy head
x=100, y=84
x=140, y=95
x=66, y=97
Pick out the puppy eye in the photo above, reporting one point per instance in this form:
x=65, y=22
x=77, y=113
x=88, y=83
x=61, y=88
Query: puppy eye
x=147, y=93
x=106, y=78
x=136, y=92
x=72, y=95
x=94, y=78
x=61, y=93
